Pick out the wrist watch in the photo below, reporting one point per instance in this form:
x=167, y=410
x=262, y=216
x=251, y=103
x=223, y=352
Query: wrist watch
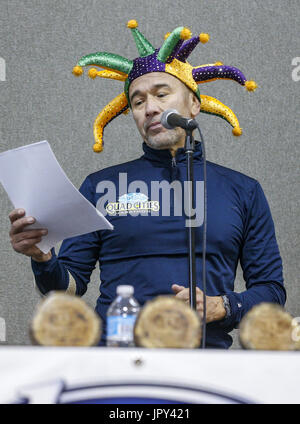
x=227, y=306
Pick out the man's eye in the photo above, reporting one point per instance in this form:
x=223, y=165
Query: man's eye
x=161, y=94
x=138, y=102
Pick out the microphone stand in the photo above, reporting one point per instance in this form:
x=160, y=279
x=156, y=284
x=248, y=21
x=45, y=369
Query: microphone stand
x=171, y=119
x=189, y=150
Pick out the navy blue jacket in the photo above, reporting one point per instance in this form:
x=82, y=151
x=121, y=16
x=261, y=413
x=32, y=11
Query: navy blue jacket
x=150, y=251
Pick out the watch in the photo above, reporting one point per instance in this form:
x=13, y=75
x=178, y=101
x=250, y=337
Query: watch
x=227, y=306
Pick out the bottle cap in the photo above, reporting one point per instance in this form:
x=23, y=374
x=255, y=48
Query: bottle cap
x=125, y=290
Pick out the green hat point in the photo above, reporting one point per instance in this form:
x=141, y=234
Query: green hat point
x=107, y=60
x=170, y=43
x=144, y=47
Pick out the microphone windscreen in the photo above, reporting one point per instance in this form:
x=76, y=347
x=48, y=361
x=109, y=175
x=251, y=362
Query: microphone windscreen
x=164, y=118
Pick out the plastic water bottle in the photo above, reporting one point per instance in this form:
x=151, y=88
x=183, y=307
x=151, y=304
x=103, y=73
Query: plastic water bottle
x=121, y=317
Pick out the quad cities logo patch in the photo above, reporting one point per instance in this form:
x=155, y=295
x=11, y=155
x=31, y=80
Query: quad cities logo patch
x=134, y=203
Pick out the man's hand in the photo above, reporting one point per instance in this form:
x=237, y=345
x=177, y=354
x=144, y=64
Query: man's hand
x=215, y=310
x=24, y=241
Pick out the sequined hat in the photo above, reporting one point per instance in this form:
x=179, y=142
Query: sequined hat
x=170, y=58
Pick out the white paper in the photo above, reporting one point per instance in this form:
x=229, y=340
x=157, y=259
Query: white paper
x=35, y=182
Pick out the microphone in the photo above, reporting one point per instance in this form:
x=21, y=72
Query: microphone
x=171, y=119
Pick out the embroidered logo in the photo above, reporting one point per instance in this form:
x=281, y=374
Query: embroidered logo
x=134, y=203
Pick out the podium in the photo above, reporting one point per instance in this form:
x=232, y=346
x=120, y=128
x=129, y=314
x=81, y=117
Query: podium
x=44, y=375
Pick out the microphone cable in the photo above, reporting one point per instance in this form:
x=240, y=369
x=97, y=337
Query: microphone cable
x=204, y=239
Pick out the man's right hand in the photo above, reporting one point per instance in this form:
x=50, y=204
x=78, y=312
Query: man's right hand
x=24, y=241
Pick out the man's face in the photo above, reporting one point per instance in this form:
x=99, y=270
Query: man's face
x=150, y=95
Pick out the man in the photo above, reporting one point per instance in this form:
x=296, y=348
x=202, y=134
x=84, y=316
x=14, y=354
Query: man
x=149, y=250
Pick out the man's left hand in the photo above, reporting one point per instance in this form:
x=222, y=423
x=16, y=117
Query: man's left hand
x=215, y=310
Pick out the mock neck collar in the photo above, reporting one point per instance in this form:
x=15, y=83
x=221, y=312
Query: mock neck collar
x=165, y=155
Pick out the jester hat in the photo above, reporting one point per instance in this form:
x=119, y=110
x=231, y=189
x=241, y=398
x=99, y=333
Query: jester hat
x=170, y=58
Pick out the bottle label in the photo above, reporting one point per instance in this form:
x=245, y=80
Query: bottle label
x=120, y=328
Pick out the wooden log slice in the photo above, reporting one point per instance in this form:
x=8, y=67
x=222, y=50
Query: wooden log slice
x=167, y=322
x=61, y=319
x=267, y=326
x=296, y=333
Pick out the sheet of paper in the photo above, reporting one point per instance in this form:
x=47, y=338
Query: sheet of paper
x=35, y=182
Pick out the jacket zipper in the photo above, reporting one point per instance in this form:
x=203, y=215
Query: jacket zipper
x=173, y=172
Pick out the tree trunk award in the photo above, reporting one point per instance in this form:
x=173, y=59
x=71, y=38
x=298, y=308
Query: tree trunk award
x=167, y=322
x=61, y=319
x=267, y=326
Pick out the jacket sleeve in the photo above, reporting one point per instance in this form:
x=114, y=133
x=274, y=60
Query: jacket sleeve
x=77, y=258
x=260, y=261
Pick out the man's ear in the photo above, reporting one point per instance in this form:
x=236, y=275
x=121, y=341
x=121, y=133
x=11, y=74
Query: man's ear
x=195, y=105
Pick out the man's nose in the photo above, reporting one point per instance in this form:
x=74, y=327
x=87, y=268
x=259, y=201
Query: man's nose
x=152, y=107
